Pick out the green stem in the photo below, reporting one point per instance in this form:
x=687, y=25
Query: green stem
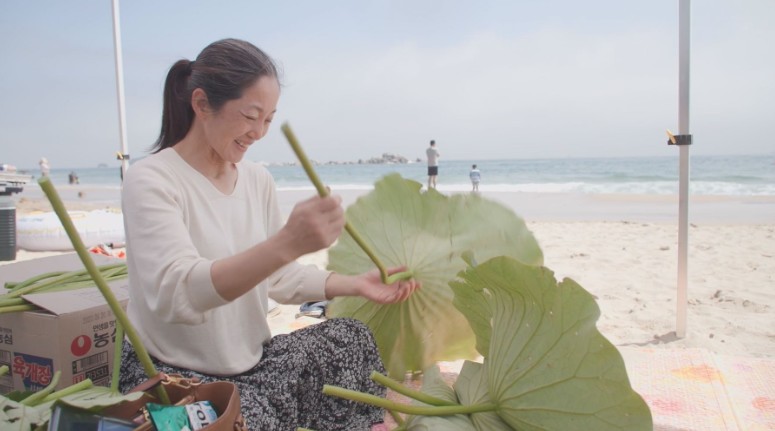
x=21, y=290
x=396, y=417
x=115, y=306
x=78, y=387
x=323, y=192
x=80, y=284
x=117, y=349
x=404, y=408
x=15, y=308
x=411, y=393
x=56, y=279
x=12, y=301
x=70, y=281
x=16, y=284
x=37, y=397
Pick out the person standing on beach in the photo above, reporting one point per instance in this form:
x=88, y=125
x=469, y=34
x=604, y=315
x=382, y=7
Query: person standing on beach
x=433, y=164
x=207, y=246
x=475, y=176
x=44, y=167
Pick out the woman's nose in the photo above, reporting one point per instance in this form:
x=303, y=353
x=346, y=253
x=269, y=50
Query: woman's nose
x=257, y=132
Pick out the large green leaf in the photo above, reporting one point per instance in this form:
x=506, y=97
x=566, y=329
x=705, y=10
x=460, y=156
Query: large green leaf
x=433, y=384
x=471, y=388
x=16, y=416
x=547, y=365
x=428, y=232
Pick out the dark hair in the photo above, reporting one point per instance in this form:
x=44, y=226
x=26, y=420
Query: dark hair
x=224, y=69
x=474, y=166
x=433, y=142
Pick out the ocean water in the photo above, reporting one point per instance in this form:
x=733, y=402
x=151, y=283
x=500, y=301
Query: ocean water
x=709, y=175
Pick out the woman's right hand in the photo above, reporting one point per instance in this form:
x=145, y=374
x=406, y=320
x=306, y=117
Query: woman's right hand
x=314, y=224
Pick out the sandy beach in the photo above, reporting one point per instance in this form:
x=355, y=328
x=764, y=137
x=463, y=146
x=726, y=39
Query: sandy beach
x=622, y=249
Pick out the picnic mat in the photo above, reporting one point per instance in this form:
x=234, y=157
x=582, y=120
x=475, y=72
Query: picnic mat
x=694, y=389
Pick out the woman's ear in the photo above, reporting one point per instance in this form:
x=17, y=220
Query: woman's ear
x=199, y=102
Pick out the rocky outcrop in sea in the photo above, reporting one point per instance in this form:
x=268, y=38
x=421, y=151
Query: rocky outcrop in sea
x=384, y=159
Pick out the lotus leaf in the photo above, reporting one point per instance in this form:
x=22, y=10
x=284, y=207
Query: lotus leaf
x=428, y=232
x=471, y=388
x=433, y=384
x=16, y=416
x=547, y=365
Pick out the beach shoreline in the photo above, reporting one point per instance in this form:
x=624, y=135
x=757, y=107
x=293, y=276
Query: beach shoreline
x=560, y=206
x=623, y=250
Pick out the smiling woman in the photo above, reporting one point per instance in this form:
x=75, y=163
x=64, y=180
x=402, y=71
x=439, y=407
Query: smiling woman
x=207, y=248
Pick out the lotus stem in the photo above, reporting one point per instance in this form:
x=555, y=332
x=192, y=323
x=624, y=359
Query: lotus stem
x=59, y=279
x=121, y=317
x=27, y=288
x=37, y=397
x=78, y=387
x=7, y=302
x=411, y=393
x=15, y=284
x=407, y=409
x=323, y=192
x=117, y=353
x=15, y=308
x=396, y=417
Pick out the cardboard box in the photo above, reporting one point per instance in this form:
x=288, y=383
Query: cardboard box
x=75, y=334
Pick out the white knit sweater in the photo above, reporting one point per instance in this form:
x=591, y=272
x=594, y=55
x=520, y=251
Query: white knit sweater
x=177, y=223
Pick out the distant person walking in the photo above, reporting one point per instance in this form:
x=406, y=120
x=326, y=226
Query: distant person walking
x=433, y=164
x=44, y=167
x=475, y=176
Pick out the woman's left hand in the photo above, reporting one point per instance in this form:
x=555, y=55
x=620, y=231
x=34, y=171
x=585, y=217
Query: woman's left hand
x=369, y=285
x=372, y=288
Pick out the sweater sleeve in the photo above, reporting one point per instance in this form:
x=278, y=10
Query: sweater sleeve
x=166, y=270
x=294, y=283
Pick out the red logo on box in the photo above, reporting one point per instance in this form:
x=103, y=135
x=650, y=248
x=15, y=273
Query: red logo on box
x=35, y=371
x=80, y=345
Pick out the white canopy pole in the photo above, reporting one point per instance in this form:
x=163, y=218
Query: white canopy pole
x=123, y=155
x=684, y=36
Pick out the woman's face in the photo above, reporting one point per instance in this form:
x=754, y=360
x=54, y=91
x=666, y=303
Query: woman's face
x=232, y=130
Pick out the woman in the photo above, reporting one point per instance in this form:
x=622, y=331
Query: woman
x=206, y=247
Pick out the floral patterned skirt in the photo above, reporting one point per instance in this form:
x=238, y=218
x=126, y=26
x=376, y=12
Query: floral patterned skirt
x=284, y=390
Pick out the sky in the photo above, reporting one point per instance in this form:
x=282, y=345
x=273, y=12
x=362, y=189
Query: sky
x=491, y=79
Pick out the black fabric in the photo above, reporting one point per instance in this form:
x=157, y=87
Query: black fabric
x=284, y=390
x=433, y=170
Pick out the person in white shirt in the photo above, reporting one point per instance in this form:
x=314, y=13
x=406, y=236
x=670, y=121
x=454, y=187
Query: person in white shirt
x=207, y=247
x=44, y=167
x=433, y=164
x=475, y=177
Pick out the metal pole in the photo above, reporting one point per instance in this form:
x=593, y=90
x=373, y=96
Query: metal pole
x=684, y=36
x=124, y=154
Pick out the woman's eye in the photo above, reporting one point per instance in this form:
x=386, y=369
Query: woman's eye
x=250, y=117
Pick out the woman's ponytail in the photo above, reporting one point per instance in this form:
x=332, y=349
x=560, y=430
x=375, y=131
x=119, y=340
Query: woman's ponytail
x=177, y=113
